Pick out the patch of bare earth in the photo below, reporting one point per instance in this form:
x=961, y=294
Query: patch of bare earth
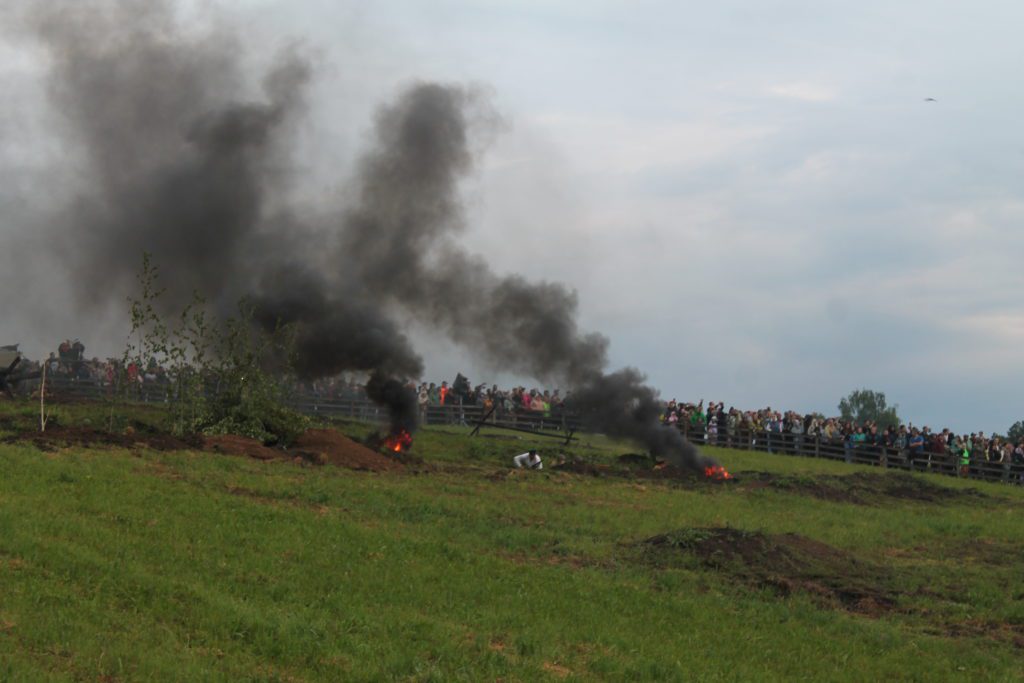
x=316, y=446
x=1001, y=631
x=232, y=444
x=57, y=437
x=984, y=551
x=557, y=670
x=783, y=563
x=860, y=488
x=631, y=466
x=329, y=446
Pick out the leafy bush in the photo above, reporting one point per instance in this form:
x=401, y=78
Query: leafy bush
x=218, y=376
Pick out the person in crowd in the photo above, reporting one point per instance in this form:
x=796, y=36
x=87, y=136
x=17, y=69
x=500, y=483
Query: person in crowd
x=536, y=401
x=461, y=391
x=796, y=430
x=964, y=461
x=698, y=422
x=1017, y=459
x=732, y=424
x=422, y=402
x=900, y=441
x=916, y=444
x=773, y=431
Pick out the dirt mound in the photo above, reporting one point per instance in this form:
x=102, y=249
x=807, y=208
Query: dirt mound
x=58, y=437
x=783, y=563
x=232, y=444
x=317, y=446
x=330, y=446
x=861, y=488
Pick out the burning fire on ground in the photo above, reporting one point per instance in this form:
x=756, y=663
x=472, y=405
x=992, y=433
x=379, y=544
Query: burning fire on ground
x=398, y=442
x=712, y=472
x=717, y=473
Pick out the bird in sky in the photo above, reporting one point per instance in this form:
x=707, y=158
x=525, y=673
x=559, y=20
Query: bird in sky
x=930, y=99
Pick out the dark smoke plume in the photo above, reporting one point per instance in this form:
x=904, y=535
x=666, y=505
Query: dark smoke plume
x=409, y=212
x=399, y=399
x=179, y=158
x=185, y=162
x=333, y=334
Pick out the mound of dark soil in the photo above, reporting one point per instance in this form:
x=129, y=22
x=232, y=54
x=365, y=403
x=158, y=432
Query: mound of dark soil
x=232, y=444
x=61, y=437
x=862, y=488
x=317, y=446
x=332, y=447
x=783, y=563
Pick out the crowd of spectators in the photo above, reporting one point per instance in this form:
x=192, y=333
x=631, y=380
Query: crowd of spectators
x=539, y=405
x=789, y=431
x=69, y=363
x=453, y=400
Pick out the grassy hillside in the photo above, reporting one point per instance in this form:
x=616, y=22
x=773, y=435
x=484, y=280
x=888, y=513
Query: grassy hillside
x=130, y=564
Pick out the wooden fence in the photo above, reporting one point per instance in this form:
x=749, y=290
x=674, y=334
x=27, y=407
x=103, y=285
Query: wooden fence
x=356, y=408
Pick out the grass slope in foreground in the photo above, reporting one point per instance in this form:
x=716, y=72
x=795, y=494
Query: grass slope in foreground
x=138, y=565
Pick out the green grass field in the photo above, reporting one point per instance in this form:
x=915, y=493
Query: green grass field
x=128, y=564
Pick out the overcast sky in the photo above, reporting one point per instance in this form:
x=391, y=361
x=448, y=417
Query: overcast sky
x=753, y=199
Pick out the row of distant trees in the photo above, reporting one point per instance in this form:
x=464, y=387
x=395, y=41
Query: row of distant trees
x=865, y=405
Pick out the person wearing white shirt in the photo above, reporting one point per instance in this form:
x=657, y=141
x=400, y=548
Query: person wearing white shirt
x=530, y=460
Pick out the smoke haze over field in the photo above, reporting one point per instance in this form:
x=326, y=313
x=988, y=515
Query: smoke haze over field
x=183, y=158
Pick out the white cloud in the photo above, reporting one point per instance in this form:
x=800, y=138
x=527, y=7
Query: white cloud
x=597, y=144
x=804, y=91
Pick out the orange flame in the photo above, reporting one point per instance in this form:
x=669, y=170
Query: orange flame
x=399, y=441
x=717, y=472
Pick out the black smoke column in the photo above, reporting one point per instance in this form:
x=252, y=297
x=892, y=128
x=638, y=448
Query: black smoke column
x=399, y=399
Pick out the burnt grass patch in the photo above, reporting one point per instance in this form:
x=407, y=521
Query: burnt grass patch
x=632, y=466
x=861, y=488
x=784, y=564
